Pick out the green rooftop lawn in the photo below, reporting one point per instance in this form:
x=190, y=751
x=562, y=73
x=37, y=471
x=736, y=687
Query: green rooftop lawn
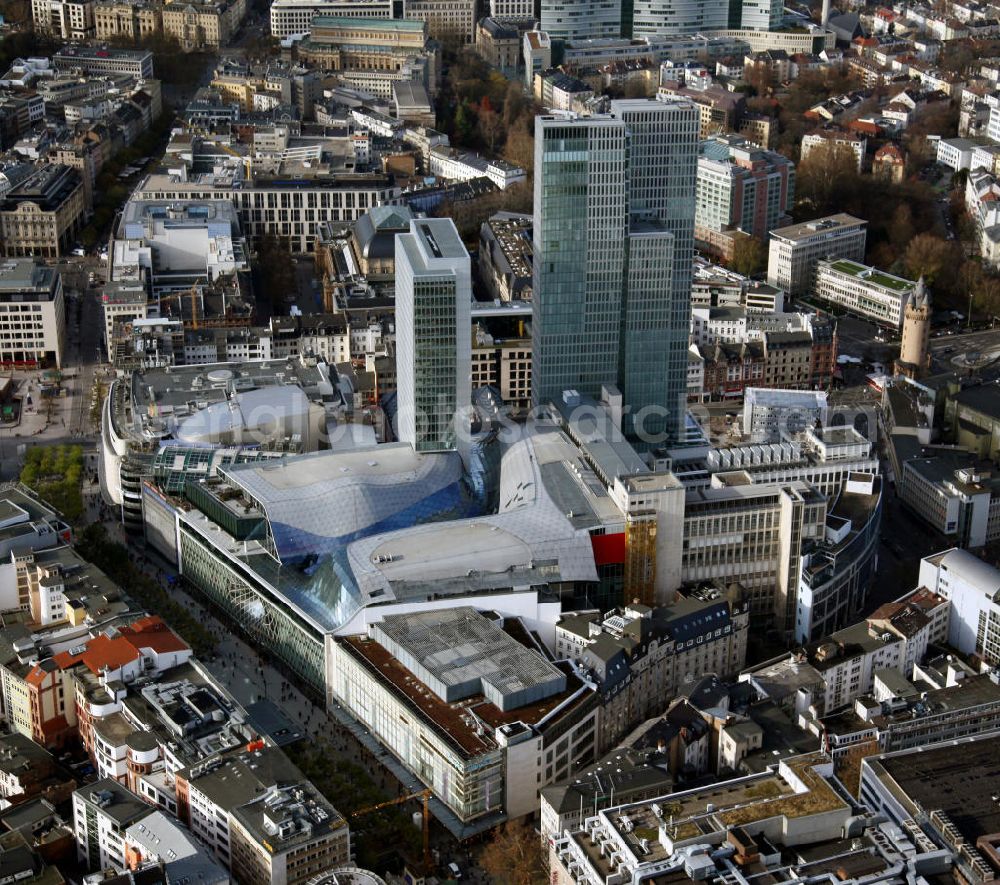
x=876, y=276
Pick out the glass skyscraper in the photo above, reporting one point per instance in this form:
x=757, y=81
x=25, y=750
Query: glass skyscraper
x=613, y=251
x=433, y=334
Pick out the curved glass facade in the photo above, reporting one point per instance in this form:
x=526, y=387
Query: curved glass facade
x=264, y=618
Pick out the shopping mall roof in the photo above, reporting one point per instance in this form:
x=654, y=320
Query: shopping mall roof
x=459, y=652
x=350, y=533
x=528, y=533
x=316, y=503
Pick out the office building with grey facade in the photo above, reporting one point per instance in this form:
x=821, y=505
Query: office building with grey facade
x=433, y=337
x=613, y=245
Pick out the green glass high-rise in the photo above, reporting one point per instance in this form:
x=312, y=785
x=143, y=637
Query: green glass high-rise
x=613, y=249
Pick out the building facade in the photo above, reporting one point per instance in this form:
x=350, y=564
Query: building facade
x=32, y=315
x=291, y=209
x=449, y=21
x=134, y=21
x=207, y=24
x=795, y=251
x=575, y=20
x=67, y=19
x=740, y=188
x=43, y=215
x=972, y=588
x=865, y=291
x=290, y=17
x=433, y=335
x=631, y=170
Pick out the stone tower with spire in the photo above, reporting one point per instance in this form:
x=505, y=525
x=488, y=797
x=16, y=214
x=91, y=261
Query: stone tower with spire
x=913, y=357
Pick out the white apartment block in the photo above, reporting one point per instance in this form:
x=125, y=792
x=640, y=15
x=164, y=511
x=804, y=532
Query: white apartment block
x=956, y=153
x=377, y=123
x=237, y=347
x=849, y=659
x=982, y=202
x=290, y=17
x=718, y=325
x=835, y=142
x=68, y=19
x=446, y=19
x=993, y=123
x=733, y=324
x=865, y=291
x=102, y=812
x=961, y=501
x=32, y=314
x=972, y=588
x=536, y=49
x=771, y=415
x=795, y=250
x=512, y=10
x=458, y=166
x=293, y=210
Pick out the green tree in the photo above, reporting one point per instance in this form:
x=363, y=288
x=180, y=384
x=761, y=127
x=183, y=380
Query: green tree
x=934, y=259
x=112, y=558
x=749, y=256
x=55, y=473
x=464, y=123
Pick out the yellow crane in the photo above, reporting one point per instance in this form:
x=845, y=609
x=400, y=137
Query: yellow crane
x=425, y=795
x=191, y=293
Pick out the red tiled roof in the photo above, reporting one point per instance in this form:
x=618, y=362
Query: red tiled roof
x=888, y=151
x=151, y=632
x=864, y=126
x=36, y=676
x=101, y=652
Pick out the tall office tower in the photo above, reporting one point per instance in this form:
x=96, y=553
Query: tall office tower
x=581, y=19
x=693, y=16
x=433, y=334
x=613, y=251
x=682, y=16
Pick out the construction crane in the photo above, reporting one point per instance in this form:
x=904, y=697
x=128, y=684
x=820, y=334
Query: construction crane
x=425, y=795
x=191, y=293
x=245, y=159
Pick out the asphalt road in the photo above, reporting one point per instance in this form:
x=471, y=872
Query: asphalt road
x=905, y=540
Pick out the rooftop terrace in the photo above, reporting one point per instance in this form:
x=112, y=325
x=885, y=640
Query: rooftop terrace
x=872, y=275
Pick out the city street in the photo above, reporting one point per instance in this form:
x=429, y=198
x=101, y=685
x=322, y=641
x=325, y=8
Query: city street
x=65, y=418
x=250, y=678
x=948, y=352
